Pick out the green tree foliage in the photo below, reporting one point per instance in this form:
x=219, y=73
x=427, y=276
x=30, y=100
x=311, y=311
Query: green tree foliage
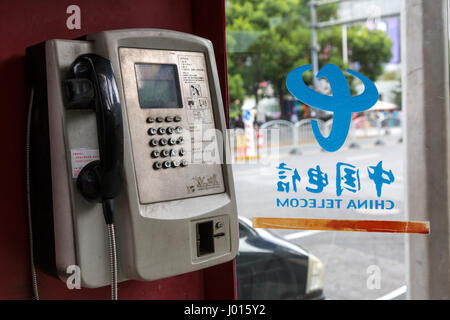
x=370, y=48
x=236, y=92
x=266, y=39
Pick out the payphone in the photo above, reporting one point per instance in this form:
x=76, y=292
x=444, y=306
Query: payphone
x=128, y=126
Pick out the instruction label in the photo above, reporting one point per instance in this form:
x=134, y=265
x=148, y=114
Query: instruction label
x=195, y=88
x=81, y=157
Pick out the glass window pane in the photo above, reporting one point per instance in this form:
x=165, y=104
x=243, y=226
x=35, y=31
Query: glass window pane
x=276, y=147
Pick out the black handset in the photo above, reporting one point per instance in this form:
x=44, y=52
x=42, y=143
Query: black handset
x=93, y=85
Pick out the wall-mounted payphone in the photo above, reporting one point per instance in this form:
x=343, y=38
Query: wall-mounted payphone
x=118, y=124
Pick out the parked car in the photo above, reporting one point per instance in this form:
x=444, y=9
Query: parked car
x=270, y=267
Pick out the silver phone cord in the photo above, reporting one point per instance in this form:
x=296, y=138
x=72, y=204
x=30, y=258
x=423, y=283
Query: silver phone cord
x=28, y=187
x=112, y=260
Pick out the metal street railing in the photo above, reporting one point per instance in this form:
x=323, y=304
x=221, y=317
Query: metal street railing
x=295, y=137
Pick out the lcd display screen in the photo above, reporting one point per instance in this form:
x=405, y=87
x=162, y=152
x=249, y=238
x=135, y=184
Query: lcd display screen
x=158, y=85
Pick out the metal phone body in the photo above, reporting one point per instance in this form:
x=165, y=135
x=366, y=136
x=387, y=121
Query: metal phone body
x=169, y=220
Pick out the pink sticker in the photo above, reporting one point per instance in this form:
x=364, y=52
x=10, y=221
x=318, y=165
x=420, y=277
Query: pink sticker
x=81, y=157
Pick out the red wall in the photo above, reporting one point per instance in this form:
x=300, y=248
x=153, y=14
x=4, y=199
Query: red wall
x=23, y=23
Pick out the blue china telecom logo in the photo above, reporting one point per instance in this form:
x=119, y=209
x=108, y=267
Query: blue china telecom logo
x=341, y=103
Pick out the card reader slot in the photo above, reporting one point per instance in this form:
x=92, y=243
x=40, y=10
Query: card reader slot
x=205, y=238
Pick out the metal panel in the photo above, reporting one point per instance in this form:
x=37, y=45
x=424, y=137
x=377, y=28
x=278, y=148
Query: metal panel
x=199, y=177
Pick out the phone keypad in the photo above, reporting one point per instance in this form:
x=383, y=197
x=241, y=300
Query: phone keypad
x=162, y=142
x=165, y=153
x=155, y=154
x=167, y=139
x=169, y=130
x=157, y=165
x=153, y=143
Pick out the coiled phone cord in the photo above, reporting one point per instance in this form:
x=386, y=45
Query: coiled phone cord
x=108, y=213
x=112, y=260
x=107, y=210
x=28, y=186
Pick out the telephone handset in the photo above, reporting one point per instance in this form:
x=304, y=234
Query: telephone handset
x=129, y=115
x=94, y=86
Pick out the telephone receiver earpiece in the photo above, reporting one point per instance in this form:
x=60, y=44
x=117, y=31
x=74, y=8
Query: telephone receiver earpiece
x=92, y=85
x=88, y=181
